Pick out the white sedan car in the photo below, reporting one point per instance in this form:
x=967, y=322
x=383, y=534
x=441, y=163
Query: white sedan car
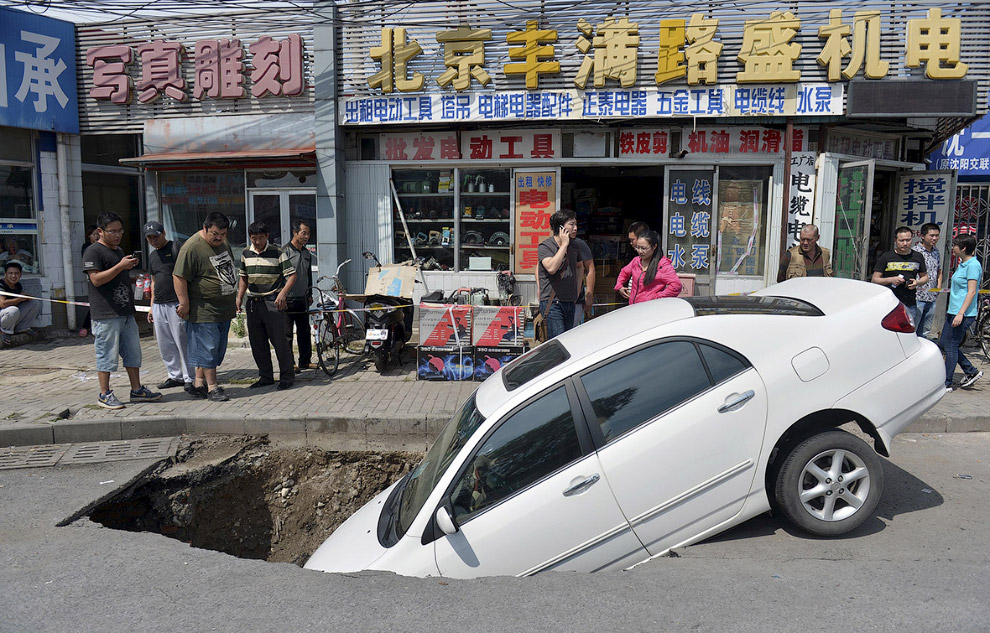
x=654, y=427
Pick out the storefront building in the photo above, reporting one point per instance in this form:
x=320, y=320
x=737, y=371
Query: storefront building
x=458, y=129
x=186, y=116
x=39, y=154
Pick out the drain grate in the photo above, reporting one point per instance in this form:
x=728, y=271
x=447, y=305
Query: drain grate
x=125, y=449
x=31, y=456
x=89, y=453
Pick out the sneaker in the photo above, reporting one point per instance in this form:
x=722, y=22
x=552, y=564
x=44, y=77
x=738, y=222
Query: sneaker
x=196, y=392
x=217, y=395
x=264, y=382
x=6, y=339
x=109, y=401
x=970, y=379
x=948, y=390
x=143, y=394
x=283, y=385
x=169, y=383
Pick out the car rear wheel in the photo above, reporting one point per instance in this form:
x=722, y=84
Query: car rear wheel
x=830, y=483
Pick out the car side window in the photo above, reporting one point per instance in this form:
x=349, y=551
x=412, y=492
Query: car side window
x=529, y=445
x=640, y=386
x=721, y=364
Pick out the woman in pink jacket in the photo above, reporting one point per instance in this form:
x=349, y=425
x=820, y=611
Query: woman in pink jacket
x=652, y=274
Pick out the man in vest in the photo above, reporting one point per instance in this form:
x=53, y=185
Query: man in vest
x=807, y=259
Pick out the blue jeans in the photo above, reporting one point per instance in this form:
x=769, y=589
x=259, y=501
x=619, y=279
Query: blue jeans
x=206, y=343
x=925, y=312
x=560, y=318
x=949, y=342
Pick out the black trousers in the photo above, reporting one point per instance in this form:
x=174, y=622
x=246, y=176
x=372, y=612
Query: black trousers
x=266, y=324
x=296, y=314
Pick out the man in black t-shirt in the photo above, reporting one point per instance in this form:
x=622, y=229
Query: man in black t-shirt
x=111, y=304
x=902, y=270
x=170, y=328
x=558, y=275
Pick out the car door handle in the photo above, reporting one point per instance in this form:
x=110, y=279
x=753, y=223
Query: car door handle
x=737, y=402
x=583, y=485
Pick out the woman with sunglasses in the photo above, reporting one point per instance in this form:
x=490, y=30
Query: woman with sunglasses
x=652, y=274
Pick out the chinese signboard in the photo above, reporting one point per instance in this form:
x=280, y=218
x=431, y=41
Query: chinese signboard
x=419, y=147
x=865, y=145
x=536, y=201
x=37, y=72
x=717, y=101
x=276, y=69
x=510, y=144
x=924, y=197
x=740, y=141
x=689, y=222
x=968, y=152
x=801, y=201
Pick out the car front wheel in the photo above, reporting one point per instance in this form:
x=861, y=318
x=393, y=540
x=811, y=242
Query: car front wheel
x=830, y=483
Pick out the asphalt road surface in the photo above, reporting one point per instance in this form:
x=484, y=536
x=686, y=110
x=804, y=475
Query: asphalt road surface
x=923, y=564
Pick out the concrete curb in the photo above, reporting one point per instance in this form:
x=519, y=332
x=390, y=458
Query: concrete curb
x=367, y=432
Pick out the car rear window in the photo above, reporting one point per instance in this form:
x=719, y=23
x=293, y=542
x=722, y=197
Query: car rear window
x=533, y=363
x=752, y=305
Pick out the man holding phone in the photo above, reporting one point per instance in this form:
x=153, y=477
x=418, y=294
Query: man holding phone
x=111, y=305
x=558, y=279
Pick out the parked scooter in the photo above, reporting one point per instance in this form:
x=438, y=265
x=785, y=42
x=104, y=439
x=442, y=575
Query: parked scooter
x=388, y=325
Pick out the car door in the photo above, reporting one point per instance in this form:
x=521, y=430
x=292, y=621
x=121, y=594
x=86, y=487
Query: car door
x=532, y=498
x=680, y=426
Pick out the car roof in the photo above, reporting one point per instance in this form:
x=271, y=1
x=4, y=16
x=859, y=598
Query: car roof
x=829, y=295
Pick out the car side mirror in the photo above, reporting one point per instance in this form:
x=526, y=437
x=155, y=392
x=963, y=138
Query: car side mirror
x=445, y=522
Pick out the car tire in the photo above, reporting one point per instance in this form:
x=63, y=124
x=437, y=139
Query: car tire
x=829, y=484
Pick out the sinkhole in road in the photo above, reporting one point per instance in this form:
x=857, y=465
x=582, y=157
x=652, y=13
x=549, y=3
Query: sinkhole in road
x=248, y=498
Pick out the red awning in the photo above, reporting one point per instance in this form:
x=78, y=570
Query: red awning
x=220, y=157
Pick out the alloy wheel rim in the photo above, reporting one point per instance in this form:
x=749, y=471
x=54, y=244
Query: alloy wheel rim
x=834, y=485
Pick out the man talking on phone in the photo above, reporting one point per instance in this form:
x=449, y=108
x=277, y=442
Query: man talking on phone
x=111, y=304
x=558, y=278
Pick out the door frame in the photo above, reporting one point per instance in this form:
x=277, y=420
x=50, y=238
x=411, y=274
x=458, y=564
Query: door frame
x=283, y=206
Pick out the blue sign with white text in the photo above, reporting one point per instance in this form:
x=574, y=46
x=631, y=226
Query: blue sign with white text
x=968, y=151
x=37, y=72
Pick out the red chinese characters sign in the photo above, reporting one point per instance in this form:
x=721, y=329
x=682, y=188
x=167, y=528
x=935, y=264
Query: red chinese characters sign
x=501, y=145
x=276, y=68
x=419, y=147
x=753, y=140
x=536, y=201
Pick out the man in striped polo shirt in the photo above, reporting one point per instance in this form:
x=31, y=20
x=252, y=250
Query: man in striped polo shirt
x=266, y=277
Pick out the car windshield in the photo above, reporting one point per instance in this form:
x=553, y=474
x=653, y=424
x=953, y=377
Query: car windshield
x=424, y=477
x=752, y=305
x=534, y=363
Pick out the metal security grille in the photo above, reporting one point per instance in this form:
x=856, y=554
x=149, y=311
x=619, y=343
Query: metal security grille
x=86, y=453
x=973, y=216
x=31, y=456
x=360, y=24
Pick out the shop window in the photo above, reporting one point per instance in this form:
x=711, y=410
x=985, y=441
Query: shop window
x=742, y=219
x=480, y=232
x=427, y=198
x=18, y=221
x=188, y=197
x=484, y=237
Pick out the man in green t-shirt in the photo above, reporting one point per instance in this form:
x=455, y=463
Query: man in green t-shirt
x=206, y=285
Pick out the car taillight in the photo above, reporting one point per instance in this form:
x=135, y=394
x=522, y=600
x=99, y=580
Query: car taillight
x=899, y=320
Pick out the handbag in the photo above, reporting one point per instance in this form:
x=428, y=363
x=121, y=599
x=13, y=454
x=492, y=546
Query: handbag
x=540, y=332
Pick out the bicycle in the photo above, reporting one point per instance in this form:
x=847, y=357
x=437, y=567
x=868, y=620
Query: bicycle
x=335, y=325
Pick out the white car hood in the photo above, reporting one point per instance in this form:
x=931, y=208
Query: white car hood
x=353, y=546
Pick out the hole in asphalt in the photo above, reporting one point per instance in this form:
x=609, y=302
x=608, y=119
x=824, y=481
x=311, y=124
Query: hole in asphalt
x=244, y=497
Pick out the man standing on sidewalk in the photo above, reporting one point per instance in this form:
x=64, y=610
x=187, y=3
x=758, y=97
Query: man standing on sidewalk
x=206, y=286
x=300, y=296
x=928, y=247
x=17, y=314
x=266, y=277
x=170, y=329
x=111, y=304
x=902, y=270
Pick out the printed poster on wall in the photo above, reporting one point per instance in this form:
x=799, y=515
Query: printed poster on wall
x=689, y=221
x=923, y=197
x=536, y=201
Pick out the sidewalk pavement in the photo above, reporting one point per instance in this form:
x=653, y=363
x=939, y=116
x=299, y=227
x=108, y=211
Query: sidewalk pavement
x=48, y=394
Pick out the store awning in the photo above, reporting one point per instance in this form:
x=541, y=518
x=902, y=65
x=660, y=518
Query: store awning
x=235, y=156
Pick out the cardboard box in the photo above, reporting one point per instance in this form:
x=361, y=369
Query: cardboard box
x=444, y=325
x=498, y=326
x=393, y=280
x=488, y=360
x=444, y=363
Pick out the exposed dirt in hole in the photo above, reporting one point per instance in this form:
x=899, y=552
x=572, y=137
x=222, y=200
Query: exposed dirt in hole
x=249, y=498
